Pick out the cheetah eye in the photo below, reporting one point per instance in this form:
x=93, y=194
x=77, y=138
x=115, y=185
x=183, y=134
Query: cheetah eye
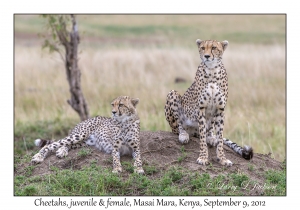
x=120, y=105
x=112, y=104
x=202, y=48
x=213, y=48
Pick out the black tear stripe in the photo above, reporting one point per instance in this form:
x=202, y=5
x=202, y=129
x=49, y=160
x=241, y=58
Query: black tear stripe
x=212, y=53
x=119, y=108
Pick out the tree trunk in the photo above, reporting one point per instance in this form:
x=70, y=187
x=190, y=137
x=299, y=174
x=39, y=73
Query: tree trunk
x=77, y=101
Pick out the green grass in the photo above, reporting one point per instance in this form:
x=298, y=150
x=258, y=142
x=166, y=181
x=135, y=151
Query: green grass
x=150, y=170
x=250, y=167
x=25, y=134
x=183, y=154
x=29, y=170
x=94, y=180
x=128, y=166
x=97, y=181
x=144, y=30
x=275, y=182
x=84, y=152
x=168, y=30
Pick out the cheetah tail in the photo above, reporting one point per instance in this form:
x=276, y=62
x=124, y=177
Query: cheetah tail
x=246, y=152
x=42, y=142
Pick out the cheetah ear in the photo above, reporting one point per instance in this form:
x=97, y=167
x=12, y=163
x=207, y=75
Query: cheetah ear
x=135, y=101
x=225, y=44
x=198, y=42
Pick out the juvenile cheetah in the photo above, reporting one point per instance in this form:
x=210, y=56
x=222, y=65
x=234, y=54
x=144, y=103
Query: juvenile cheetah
x=118, y=135
x=200, y=111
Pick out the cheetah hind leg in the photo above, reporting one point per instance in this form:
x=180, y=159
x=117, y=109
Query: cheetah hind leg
x=62, y=152
x=174, y=115
x=183, y=137
x=38, y=158
x=138, y=163
x=117, y=167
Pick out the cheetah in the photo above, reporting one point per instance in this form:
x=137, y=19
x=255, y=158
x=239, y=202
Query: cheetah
x=199, y=112
x=118, y=135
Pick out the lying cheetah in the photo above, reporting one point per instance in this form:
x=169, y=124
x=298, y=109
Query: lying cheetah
x=118, y=135
x=200, y=111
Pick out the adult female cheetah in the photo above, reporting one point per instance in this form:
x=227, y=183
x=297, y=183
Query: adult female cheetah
x=117, y=135
x=200, y=111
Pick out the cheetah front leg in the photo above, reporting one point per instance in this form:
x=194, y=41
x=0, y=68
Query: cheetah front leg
x=219, y=135
x=174, y=115
x=117, y=167
x=203, y=156
x=137, y=162
x=136, y=154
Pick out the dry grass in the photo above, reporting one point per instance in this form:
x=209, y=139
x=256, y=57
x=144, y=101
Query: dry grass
x=255, y=113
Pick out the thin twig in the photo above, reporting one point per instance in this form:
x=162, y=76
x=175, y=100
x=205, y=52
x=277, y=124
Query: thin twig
x=174, y=161
x=192, y=150
x=153, y=150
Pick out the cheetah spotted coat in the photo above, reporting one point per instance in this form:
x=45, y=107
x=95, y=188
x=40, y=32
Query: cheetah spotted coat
x=118, y=135
x=200, y=111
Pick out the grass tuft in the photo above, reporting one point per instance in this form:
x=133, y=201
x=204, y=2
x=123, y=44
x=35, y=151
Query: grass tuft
x=84, y=152
x=96, y=181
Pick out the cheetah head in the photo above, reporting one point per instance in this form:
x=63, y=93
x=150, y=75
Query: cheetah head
x=211, y=51
x=123, y=107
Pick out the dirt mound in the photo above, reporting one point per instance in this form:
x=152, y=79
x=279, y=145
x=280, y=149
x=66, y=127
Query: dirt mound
x=162, y=150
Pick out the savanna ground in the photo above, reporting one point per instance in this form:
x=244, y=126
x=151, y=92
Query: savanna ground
x=141, y=56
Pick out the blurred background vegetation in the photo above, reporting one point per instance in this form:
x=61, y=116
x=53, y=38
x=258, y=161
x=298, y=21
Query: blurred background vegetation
x=141, y=56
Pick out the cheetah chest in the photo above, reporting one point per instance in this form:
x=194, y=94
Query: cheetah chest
x=211, y=99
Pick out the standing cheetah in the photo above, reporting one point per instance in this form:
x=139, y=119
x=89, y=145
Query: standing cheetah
x=118, y=135
x=200, y=111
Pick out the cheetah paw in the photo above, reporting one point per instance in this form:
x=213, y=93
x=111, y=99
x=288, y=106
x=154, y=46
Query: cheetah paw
x=202, y=161
x=184, y=138
x=61, y=152
x=117, y=170
x=212, y=141
x=37, y=158
x=139, y=170
x=225, y=162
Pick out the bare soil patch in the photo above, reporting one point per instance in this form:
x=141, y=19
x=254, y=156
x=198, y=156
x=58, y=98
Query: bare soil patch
x=162, y=150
